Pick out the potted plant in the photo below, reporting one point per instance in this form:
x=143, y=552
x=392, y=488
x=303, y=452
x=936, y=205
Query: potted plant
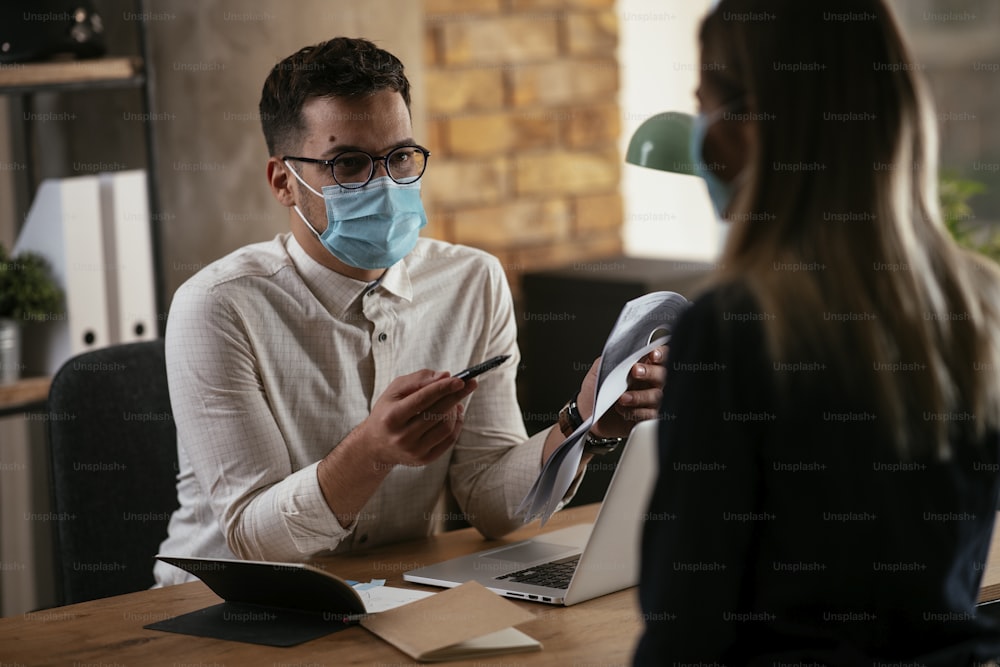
x=28, y=293
x=954, y=193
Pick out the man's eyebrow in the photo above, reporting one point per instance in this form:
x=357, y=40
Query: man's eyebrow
x=409, y=141
x=338, y=148
x=341, y=148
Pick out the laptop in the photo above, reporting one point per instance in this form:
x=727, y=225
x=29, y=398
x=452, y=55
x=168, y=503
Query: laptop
x=574, y=564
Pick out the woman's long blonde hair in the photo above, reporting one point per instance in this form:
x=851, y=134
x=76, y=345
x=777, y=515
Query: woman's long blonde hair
x=836, y=227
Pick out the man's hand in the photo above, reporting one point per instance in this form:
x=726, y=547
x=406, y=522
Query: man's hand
x=641, y=402
x=417, y=418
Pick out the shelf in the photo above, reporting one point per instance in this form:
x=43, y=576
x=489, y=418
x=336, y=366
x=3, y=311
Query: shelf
x=71, y=74
x=25, y=395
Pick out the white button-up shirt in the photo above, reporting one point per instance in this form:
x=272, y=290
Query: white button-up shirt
x=273, y=359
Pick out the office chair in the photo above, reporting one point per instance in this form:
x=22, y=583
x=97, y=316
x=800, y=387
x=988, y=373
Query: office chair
x=114, y=465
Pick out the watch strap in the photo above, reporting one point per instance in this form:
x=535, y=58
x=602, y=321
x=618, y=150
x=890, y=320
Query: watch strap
x=569, y=417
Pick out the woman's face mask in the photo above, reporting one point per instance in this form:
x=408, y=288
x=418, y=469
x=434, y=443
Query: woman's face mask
x=720, y=192
x=372, y=227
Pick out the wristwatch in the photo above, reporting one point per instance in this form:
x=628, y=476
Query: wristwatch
x=569, y=417
x=599, y=446
x=570, y=420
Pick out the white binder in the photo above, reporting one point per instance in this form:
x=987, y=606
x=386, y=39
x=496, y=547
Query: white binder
x=94, y=230
x=64, y=226
x=129, y=251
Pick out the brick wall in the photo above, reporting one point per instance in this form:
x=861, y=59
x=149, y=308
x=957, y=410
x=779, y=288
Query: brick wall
x=523, y=122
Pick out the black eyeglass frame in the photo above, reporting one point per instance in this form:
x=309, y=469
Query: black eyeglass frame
x=375, y=159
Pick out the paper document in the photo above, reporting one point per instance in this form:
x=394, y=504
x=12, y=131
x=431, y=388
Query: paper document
x=379, y=598
x=643, y=324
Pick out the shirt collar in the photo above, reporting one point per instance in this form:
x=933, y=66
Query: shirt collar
x=396, y=280
x=336, y=291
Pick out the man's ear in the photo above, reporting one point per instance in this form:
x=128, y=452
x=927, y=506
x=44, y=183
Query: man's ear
x=280, y=181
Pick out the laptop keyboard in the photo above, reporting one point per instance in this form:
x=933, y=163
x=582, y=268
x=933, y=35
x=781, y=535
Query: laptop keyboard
x=555, y=574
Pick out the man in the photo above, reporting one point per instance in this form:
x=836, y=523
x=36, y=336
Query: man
x=308, y=416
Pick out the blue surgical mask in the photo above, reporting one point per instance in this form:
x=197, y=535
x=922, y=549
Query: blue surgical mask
x=720, y=192
x=372, y=227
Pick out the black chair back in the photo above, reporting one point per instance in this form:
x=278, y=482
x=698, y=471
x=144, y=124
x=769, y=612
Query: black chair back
x=114, y=467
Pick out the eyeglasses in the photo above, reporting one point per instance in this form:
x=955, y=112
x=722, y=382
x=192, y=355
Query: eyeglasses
x=354, y=169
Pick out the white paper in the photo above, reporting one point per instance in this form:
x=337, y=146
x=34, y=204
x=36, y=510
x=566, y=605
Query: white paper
x=381, y=598
x=632, y=337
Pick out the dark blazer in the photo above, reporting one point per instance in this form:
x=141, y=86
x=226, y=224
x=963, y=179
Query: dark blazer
x=788, y=530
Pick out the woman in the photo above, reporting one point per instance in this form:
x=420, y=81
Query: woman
x=829, y=446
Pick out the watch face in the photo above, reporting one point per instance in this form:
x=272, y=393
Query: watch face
x=593, y=445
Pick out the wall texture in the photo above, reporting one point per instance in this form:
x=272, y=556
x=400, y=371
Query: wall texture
x=523, y=124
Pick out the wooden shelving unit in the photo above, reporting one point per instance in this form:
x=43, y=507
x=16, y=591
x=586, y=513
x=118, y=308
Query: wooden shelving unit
x=24, y=80
x=25, y=395
x=58, y=75
x=27, y=79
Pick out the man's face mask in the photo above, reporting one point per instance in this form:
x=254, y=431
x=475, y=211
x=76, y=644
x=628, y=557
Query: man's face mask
x=371, y=227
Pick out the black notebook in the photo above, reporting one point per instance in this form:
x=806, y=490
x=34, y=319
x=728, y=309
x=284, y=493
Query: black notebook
x=276, y=604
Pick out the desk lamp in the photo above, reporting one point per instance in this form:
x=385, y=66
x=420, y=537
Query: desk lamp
x=661, y=142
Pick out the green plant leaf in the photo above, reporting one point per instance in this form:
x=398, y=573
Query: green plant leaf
x=27, y=289
x=954, y=193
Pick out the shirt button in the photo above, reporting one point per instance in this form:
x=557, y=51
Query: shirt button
x=382, y=337
x=363, y=538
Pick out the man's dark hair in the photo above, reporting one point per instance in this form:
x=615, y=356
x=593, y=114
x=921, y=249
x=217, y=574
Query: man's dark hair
x=340, y=67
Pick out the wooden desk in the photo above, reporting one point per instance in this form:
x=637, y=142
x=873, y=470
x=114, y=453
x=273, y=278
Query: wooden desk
x=601, y=631
x=991, y=577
